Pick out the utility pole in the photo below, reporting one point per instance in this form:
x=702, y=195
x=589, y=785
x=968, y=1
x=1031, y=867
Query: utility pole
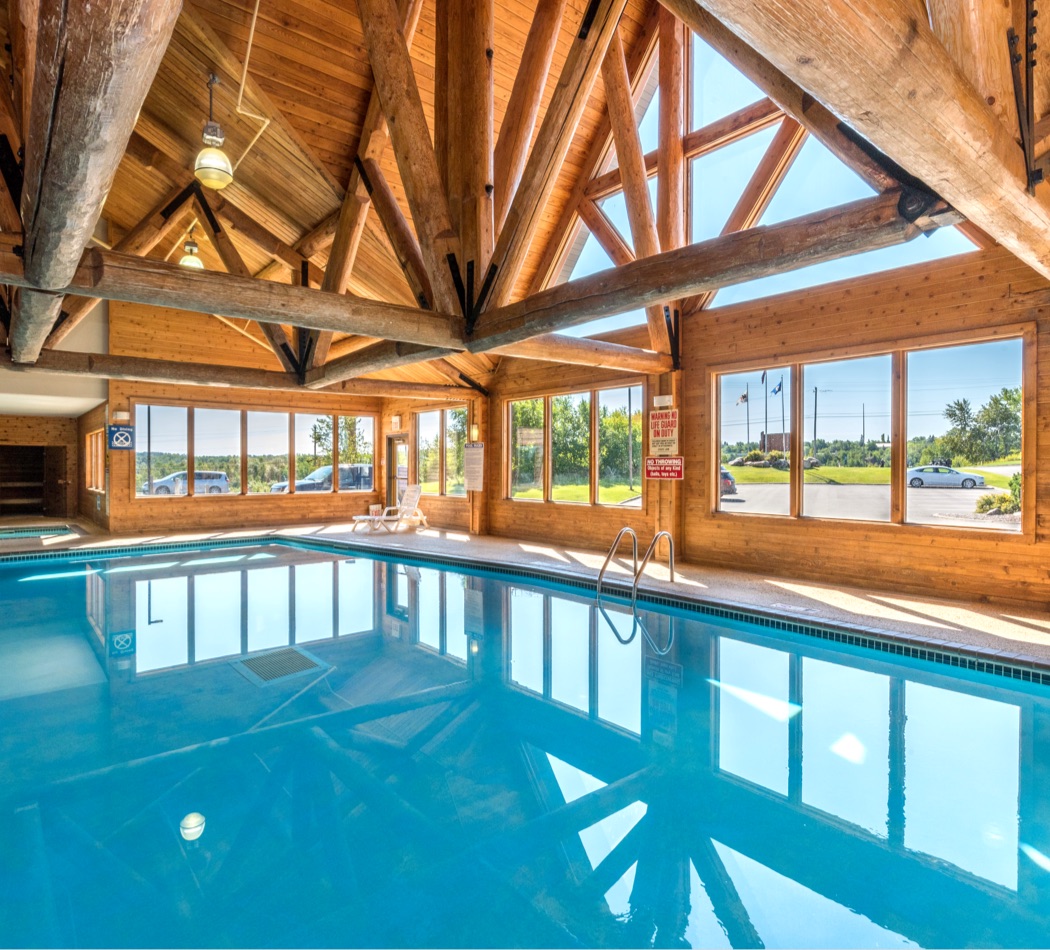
x=814, y=419
x=862, y=427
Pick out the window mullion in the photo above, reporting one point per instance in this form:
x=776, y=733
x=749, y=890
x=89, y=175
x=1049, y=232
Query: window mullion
x=796, y=468
x=898, y=445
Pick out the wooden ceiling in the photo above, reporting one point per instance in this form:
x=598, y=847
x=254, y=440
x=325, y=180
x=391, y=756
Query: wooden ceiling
x=307, y=105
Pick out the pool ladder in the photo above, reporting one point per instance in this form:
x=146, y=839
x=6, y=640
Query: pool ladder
x=639, y=570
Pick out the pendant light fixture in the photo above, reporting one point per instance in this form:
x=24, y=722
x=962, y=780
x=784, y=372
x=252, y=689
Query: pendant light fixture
x=212, y=168
x=190, y=258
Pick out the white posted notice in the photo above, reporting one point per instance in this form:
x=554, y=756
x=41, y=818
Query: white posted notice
x=474, y=466
x=663, y=432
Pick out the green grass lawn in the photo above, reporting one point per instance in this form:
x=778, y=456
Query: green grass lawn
x=609, y=494
x=835, y=475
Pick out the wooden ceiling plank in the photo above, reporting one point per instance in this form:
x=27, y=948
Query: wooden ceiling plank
x=396, y=84
x=519, y=121
x=783, y=90
x=735, y=258
x=552, y=144
x=605, y=232
x=753, y=201
x=372, y=359
x=234, y=264
x=140, y=240
x=565, y=230
x=640, y=213
x=93, y=67
x=145, y=370
x=555, y=348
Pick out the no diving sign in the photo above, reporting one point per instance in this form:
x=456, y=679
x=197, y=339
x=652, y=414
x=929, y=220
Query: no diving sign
x=665, y=468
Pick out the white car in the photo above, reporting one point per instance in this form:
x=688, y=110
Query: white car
x=940, y=476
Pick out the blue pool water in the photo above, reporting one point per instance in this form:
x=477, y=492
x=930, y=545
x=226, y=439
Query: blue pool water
x=432, y=758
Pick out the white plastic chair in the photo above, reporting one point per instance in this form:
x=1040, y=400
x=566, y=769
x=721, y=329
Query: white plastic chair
x=406, y=513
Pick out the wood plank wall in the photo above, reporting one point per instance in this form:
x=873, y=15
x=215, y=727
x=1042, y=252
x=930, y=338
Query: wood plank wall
x=957, y=297
x=92, y=505
x=47, y=430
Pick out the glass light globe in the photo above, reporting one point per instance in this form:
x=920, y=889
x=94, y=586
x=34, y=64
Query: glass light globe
x=192, y=826
x=191, y=260
x=213, y=169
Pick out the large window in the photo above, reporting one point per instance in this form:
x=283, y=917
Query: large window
x=441, y=437
x=242, y=451
x=594, y=442
x=356, y=453
x=955, y=462
x=216, y=451
x=160, y=450
x=267, y=452
x=755, y=426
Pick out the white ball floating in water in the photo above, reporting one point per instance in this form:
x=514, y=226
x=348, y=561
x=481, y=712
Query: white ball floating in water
x=192, y=826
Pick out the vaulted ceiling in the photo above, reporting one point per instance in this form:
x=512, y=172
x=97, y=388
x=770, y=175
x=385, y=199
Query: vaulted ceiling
x=383, y=153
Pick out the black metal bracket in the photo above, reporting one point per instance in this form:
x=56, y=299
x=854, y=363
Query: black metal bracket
x=915, y=202
x=473, y=383
x=588, y=20
x=307, y=341
x=674, y=332
x=365, y=180
x=213, y=222
x=178, y=201
x=470, y=305
x=1024, y=94
x=5, y=315
x=11, y=169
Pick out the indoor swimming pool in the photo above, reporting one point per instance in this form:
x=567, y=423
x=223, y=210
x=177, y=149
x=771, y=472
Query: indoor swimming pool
x=293, y=744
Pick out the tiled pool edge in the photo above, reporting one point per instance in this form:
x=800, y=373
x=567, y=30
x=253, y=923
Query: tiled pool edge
x=1011, y=665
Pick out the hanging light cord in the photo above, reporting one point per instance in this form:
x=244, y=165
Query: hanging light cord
x=265, y=120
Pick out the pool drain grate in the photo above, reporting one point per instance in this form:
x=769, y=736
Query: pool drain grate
x=277, y=665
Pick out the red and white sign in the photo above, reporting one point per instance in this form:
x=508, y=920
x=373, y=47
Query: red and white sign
x=665, y=468
x=663, y=432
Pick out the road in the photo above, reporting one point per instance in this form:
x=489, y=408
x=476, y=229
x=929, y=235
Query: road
x=940, y=506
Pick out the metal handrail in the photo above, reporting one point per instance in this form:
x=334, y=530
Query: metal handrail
x=626, y=529
x=638, y=571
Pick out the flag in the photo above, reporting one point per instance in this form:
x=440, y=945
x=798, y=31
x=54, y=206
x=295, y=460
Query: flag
x=763, y=377
x=779, y=386
x=743, y=398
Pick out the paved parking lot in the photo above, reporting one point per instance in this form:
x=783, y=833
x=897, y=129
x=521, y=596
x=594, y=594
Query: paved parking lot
x=941, y=506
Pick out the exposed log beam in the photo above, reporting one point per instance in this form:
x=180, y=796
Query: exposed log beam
x=456, y=375
x=639, y=66
x=320, y=237
x=519, y=121
x=373, y=359
x=786, y=89
x=93, y=66
x=548, y=154
x=836, y=232
x=113, y=276
x=737, y=125
x=23, y=19
x=605, y=232
x=140, y=369
x=759, y=191
x=139, y=241
x=555, y=348
x=234, y=264
x=640, y=213
x=395, y=81
x=671, y=177
x=397, y=228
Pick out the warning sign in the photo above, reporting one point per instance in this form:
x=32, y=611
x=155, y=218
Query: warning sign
x=663, y=432
x=664, y=468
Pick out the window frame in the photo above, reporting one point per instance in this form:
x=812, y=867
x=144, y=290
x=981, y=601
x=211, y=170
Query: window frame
x=794, y=364
x=442, y=446
x=95, y=460
x=593, y=394
x=244, y=409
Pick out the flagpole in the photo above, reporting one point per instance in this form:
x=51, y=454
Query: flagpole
x=747, y=406
x=765, y=389
x=783, y=433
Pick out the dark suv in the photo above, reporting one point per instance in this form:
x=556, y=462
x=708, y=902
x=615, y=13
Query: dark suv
x=352, y=476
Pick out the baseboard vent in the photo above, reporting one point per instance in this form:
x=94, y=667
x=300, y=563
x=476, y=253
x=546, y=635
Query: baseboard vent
x=266, y=668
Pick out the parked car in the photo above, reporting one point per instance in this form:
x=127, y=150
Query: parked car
x=728, y=483
x=940, y=476
x=204, y=483
x=352, y=476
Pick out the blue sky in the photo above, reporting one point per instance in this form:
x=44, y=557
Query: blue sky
x=816, y=180
x=854, y=395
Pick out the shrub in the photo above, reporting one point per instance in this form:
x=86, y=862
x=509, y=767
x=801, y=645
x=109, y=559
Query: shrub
x=1007, y=504
x=1015, y=487
x=754, y=456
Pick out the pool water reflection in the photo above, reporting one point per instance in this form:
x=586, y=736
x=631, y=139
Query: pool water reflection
x=461, y=760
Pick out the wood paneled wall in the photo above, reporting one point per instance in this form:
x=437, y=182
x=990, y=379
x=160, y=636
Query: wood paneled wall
x=956, y=297
x=47, y=430
x=92, y=505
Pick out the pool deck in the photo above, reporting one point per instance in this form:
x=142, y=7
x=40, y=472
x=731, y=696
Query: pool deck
x=1008, y=632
